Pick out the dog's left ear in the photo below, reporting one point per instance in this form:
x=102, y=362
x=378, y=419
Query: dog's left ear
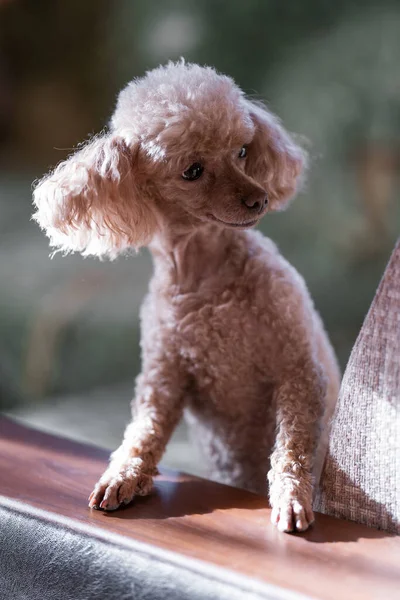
x=274, y=159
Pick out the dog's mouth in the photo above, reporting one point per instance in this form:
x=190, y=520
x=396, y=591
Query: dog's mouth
x=244, y=225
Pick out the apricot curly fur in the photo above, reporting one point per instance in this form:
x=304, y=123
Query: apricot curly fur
x=230, y=336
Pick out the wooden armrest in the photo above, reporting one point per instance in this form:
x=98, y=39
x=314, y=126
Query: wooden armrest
x=202, y=539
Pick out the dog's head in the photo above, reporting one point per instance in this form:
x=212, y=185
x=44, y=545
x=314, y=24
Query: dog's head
x=185, y=146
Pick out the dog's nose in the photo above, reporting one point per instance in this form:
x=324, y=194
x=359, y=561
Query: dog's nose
x=255, y=203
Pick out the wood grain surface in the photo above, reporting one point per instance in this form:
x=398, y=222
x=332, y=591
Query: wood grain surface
x=197, y=518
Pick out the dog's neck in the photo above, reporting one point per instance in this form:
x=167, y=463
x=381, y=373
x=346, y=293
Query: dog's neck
x=188, y=258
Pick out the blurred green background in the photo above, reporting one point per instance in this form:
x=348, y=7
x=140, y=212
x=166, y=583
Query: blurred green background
x=330, y=70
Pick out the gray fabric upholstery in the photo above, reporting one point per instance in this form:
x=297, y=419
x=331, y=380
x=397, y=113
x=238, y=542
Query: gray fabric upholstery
x=361, y=478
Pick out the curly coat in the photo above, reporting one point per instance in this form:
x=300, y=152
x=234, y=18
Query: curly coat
x=230, y=336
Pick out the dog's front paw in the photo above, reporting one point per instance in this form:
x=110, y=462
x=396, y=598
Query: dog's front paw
x=292, y=514
x=119, y=485
x=291, y=501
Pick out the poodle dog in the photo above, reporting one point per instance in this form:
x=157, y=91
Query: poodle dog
x=230, y=336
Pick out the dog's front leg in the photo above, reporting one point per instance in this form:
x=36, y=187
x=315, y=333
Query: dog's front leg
x=299, y=410
x=157, y=409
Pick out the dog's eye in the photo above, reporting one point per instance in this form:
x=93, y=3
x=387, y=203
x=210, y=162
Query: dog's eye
x=193, y=172
x=243, y=152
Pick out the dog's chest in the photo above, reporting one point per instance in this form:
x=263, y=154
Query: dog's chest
x=220, y=337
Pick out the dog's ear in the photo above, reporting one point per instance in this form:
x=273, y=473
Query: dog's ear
x=274, y=159
x=91, y=202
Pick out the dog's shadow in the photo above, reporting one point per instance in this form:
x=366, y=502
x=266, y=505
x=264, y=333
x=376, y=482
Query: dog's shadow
x=174, y=498
x=177, y=498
